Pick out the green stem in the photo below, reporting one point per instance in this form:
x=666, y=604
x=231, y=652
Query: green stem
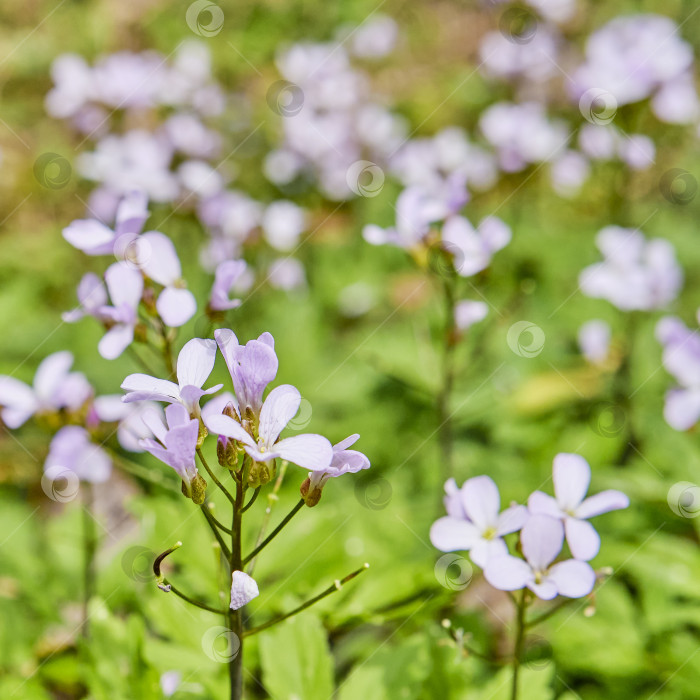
x=236, y=616
x=252, y=500
x=545, y=616
x=335, y=586
x=215, y=530
x=519, y=642
x=89, y=551
x=275, y=532
x=447, y=381
x=219, y=524
x=198, y=604
x=213, y=477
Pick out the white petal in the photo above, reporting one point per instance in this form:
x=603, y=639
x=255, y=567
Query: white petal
x=313, y=452
x=511, y=520
x=573, y=579
x=159, y=258
x=225, y=425
x=602, y=502
x=50, y=373
x=543, y=504
x=572, y=475
x=142, y=386
x=281, y=405
x=582, y=538
x=176, y=306
x=508, y=573
x=481, y=501
x=484, y=550
x=541, y=539
x=243, y=589
x=452, y=535
x=125, y=284
x=115, y=341
x=196, y=361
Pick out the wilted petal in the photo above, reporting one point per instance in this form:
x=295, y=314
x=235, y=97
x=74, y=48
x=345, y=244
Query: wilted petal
x=115, y=341
x=196, y=362
x=160, y=261
x=602, y=502
x=281, y=405
x=508, y=573
x=313, y=452
x=583, y=540
x=543, y=504
x=511, y=520
x=572, y=475
x=176, y=306
x=243, y=589
x=481, y=501
x=541, y=538
x=452, y=534
x=573, y=579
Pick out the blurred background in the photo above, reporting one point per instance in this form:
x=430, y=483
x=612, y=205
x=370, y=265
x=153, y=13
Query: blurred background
x=359, y=329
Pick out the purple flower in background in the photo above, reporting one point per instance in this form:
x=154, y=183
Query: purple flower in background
x=635, y=273
x=131, y=429
x=243, y=589
x=71, y=449
x=54, y=388
x=227, y=275
x=94, y=238
x=252, y=367
x=572, y=476
x=159, y=262
x=681, y=359
x=468, y=312
x=541, y=539
x=374, y=38
x=313, y=452
x=176, y=443
x=194, y=365
x=92, y=296
x=594, y=341
x=283, y=223
x=286, y=274
x=480, y=526
x=472, y=249
x=125, y=287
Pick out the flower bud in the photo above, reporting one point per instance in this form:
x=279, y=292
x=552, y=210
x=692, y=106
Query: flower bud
x=203, y=432
x=199, y=489
x=221, y=450
x=310, y=494
x=230, y=411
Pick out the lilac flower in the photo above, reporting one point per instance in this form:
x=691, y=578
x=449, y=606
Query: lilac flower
x=94, y=238
x=286, y=274
x=228, y=274
x=125, y=287
x=176, y=443
x=72, y=449
x=572, y=475
x=309, y=451
x=635, y=273
x=160, y=263
x=54, y=388
x=131, y=429
x=468, y=312
x=243, y=589
x=252, y=367
x=283, y=223
x=569, y=171
x=681, y=359
x=375, y=38
x=344, y=461
x=92, y=296
x=594, y=341
x=194, y=365
x=472, y=248
x=541, y=539
x=480, y=528
x=170, y=682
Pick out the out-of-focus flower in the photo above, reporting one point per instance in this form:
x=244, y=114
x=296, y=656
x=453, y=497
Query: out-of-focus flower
x=594, y=340
x=72, y=449
x=568, y=172
x=286, y=274
x=472, y=248
x=283, y=223
x=480, y=527
x=110, y=408
x=170, y=682
x=375, y=38
x=635, y=273
x=227, y=275
x=92, y=296
x=54, y=388
x=541, y=539
x=468, y=312
x=194, y=365
x=243, y=589
x=681, y=359
x=313, y=452
x=572, y=476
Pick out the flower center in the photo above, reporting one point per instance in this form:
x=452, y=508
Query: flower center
x=489, y=533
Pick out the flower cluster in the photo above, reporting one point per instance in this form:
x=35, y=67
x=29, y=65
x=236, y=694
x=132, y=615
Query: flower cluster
x=635, y=274
x=475, y=523
x=681, y=359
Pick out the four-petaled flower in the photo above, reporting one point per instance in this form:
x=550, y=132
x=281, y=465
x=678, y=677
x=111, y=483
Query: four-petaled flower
x=541, y=539
x=572, y=475
x=479, y=527
x=71, y=449
x=194, y=365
